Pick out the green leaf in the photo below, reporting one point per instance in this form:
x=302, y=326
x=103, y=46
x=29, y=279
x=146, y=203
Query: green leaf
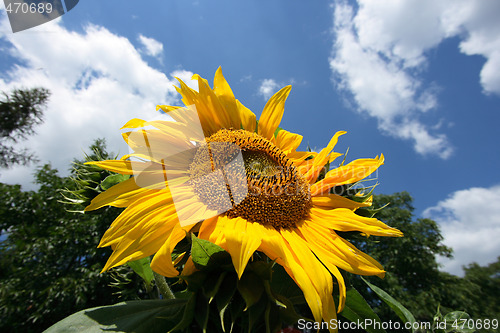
x=112, y=180
x=143, y=268
x=195, y=280
x=283, y=284
x=212, y=285
x=251, y=288
x=205, y=253
x=272, y=318
x=256, y=312
x=236, y=308
x=288, y=314
x=148, y=316
x=263, y=269
x=271, y=295
x=458, y=321
x=225, y=294
x=201, y=311
x=356, y=308
x=398, y=308
x=187, y=317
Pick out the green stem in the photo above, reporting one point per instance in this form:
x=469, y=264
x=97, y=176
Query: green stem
x=163, y=287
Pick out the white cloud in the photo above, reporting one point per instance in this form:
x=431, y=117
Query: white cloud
x=381, y=48
x=470, y=223
x=152, y=47
x=268, y=87
x=186, y=76
x=98, y=82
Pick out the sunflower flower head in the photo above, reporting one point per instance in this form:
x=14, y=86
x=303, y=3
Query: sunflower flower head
x=212, y=170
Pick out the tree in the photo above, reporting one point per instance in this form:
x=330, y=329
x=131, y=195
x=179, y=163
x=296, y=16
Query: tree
x=486, y=294
x=413, y=276
x=412, y=270
x=20, y=113
x=49, y=262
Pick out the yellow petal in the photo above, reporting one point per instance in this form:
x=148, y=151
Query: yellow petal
x=123, y=167
x=288, y=142
x=248, y=119
x=183, y=115
x=207, y=229
x=191, y=97
x=189, y=267
x=143, y=240
x=120, y=195
x=242, y=241
x=347, y=174
x=134, y=123
x=139, y=211
x=322, y=158
x=272, y=113
x=343, y=219
x=168, y=108
x=211, y=105
x=316, y=274
x=162, y=261
x=330, y=201
x=333, y=250
x=156, y=145
x=302, y=160
x=226, y=98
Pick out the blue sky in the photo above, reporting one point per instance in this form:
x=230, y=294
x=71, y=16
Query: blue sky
x=417, y=80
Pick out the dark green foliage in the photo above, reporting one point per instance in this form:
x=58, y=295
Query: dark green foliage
x=413, y=277
x=19, y=114
x=148, y=316
x=49, y=262
x=483, y=286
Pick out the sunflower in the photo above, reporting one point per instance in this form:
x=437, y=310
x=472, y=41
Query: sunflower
x=241, y=184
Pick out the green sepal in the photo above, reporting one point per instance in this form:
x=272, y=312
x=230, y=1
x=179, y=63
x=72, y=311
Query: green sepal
x=143, y=268
x=236, y=310
x=201, y=311
x=251, y=288
x=364, y=197
x=356, y=308
x=370, y=212
x=255, y=312
x=213, y=282
x=276, y=131
x=225, y=294
x=282, y=284
x=112, y=180
x=263, y=269
x=288, y=313
x=272, y=319
x=195, y=280
x=206, y=254
x=148, y=316
x=270, y=294
x=398, y=308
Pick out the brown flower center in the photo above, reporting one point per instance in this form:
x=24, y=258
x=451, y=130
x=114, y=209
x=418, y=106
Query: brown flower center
x=263, y=184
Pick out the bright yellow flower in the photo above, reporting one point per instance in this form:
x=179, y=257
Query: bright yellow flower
x=286, y=214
